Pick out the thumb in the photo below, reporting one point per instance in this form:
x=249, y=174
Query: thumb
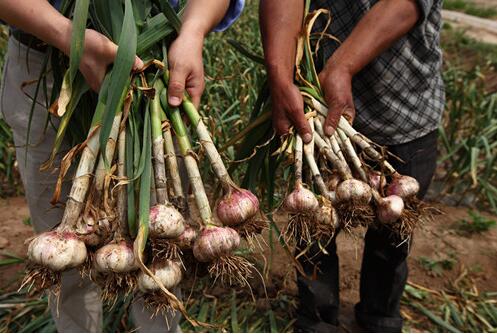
x=176, y=87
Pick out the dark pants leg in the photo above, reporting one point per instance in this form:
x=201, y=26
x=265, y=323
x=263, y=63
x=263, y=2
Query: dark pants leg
x=318, y=296
x=384, y=267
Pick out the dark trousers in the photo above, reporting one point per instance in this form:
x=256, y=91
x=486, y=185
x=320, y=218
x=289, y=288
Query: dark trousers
x=384, y=264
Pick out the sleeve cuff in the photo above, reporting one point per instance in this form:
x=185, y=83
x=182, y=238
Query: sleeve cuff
x=234, y=11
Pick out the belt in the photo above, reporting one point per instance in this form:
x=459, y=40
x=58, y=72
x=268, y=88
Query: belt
x=29, y=40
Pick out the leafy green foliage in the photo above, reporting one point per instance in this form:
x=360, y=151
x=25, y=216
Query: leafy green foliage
x=465, y=52
x=233, y=312
x=459, y=307
x=4, y=35
x=237, y=312
x=471, y=8
x=232, y=81
x=10, y=184
x=469, y=138
x=475, y=224
x=437, y=267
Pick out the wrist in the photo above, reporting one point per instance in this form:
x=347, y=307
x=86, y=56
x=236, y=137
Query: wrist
x=194, y=30
x=279, y=74
x=337, y=66
x=60, y=35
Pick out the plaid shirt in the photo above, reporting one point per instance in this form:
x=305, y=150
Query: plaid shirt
x=400, y=95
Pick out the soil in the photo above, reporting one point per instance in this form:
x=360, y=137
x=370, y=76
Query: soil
x=14, y=214
x=436, y=240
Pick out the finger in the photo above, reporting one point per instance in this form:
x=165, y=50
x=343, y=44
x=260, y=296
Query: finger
x=281, y=123
x=176, y=86
x=94, y=80
x=195, y=87
x=301, y=123
x=297, y=116
x=349, y=114
x=334, y=113
x=138, y=64
x=94, y=86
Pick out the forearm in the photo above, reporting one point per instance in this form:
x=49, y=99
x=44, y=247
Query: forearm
x=384, y=24
x=281, y=22
x=40, y=19
x=201, y=16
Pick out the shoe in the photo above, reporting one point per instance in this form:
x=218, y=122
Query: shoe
x=315, y=327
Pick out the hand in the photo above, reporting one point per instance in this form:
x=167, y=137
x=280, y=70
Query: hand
x=186, y=68
x=288, y=109
x=336, y=84
x=98, y=54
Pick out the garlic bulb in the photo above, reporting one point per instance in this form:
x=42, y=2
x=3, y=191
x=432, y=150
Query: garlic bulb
x=57, y=251
x=215, y=242
x=237, y=207
x=376, y=181
x=116, y=257
x=165, y=221
x=354, y=191
x=301, y=200
x=168, y=273
x=327, y=216
x=403, y=186
x=390, y=209
x=187, y=238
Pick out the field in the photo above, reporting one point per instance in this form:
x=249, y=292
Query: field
x=452, y=264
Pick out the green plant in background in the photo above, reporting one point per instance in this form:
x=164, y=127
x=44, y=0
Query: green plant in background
x=459, y=307
x=21, y=313
x=469, y=138
x=9, y=178
x=3, y=45
x=465, y=52
x=232, y=311
x=232, y=81
x=475, y=224
x=470, y=8
x=437, y=267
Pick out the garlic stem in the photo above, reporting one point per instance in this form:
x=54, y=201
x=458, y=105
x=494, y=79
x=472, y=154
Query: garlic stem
x=341, y=167
x=319, y=128
x=207, y=143
x=298, y=160
x=172, y=163
x=364, y=143
x=316, y=174
x=346, y=145
x=121, y=188
x=191, y=167
x=81, y=183
x=158, y=145
x=110, y=149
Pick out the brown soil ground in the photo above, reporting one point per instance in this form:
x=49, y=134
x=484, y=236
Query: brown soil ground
x=476, y=32
x=436, y=240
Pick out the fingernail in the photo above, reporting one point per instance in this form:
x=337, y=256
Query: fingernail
x=174, y=100
x=328, y=130
x=307, y=137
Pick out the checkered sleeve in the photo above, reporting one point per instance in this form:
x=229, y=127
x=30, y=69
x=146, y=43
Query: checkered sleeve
x=425, y=8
